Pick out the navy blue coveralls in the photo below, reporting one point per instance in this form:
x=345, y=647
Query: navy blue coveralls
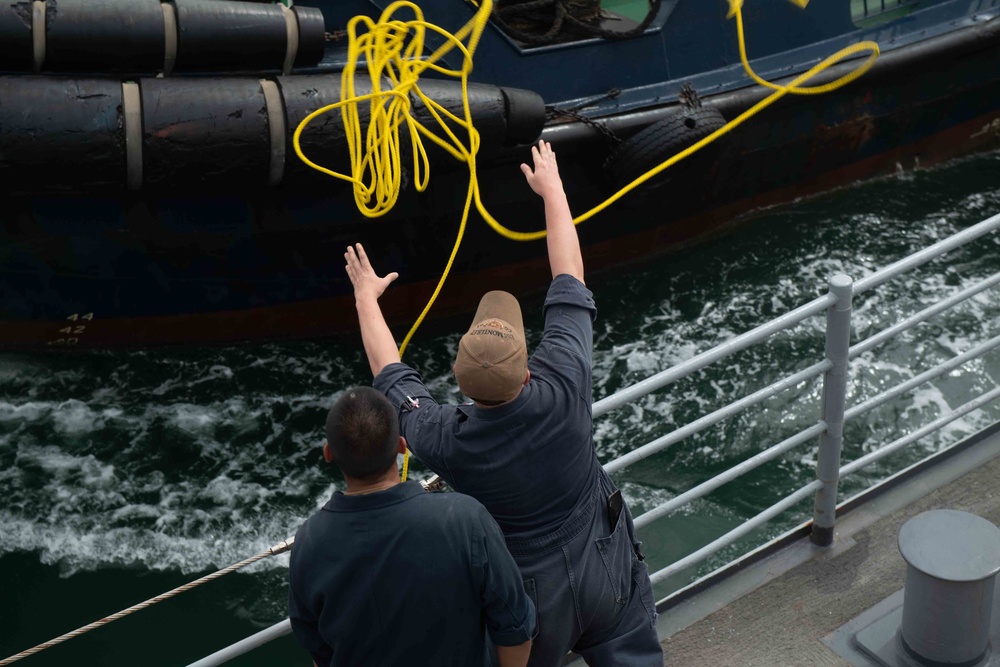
x=532, y=463
x=404, y=577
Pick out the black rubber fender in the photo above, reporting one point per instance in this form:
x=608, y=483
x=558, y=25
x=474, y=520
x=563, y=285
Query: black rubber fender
x=659, y=142
x=15, y=36
x=237, y=36
x=61, y=135
x=312, y=36
x=204, y=132
x=104, y=35
x=525, y=112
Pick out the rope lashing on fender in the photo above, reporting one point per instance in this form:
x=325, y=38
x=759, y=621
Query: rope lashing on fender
x=281, y=547
x=389, y=55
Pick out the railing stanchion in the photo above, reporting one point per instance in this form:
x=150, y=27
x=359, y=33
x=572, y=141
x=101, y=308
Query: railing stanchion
x=838, y=343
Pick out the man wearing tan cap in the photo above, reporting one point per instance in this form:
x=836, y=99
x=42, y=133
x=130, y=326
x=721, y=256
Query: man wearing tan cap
x=523, y=448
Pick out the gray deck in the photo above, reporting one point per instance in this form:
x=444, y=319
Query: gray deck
x=786, y=609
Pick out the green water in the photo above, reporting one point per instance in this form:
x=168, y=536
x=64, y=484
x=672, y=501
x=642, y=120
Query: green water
x=123, y=475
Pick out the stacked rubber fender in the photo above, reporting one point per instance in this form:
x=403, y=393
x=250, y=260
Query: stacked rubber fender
x=87, y=135
x=150, y=36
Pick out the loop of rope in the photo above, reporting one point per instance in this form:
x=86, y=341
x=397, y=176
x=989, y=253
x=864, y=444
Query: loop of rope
x=375, y=163
x=273, y=551
x=779, y=91
x=394, y=49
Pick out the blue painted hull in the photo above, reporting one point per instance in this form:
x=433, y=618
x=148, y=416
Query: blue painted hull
x=201, y=265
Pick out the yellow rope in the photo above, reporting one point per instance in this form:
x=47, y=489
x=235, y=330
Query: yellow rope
x=281, y=547
x=780, y=91
x=375, y=162
x=393, y=50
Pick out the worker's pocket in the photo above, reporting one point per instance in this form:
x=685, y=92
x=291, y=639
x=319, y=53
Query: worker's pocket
x=529, y=588
x=640, y=576
x=616, y=551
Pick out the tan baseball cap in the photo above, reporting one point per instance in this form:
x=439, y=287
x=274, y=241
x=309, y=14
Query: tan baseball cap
x=492, y=359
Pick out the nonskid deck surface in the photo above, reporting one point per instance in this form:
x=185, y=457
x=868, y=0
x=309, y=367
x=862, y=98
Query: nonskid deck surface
x=788, y=609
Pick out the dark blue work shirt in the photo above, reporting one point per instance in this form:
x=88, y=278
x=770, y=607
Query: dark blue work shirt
x=404, y=577
x=531, y=461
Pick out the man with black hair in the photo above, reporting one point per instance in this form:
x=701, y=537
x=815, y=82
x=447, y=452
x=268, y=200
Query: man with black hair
x=386, y=574
x=523, y=447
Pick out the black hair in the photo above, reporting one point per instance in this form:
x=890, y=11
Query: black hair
x=362, y=430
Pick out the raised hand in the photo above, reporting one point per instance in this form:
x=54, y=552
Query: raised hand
x=544, y=179
x=367, y=284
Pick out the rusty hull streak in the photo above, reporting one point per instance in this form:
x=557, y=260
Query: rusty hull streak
x=852, y=134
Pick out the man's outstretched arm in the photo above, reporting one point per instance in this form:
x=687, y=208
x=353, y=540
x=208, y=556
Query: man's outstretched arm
x=563, y=242
x=368, y=287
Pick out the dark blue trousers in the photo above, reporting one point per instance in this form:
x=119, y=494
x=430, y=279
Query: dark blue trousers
x=592, y=593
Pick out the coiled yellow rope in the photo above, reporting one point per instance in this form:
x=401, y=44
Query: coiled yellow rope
x=393, y=50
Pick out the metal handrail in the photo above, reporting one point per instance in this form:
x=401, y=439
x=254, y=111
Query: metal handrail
x=798, y=496
x=729, y=475
x=713, y=418
x=803, y=436
x=732, y=536
x=790, y=319
x=870, y=282
x=821, y=428
x=279, y=629
x=708, y=357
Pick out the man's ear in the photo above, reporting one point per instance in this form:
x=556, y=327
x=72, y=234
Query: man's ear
x=402, y=445
x=527, y=376
x=327, y=454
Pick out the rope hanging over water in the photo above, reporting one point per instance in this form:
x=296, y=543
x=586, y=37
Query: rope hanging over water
x=281, y=547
